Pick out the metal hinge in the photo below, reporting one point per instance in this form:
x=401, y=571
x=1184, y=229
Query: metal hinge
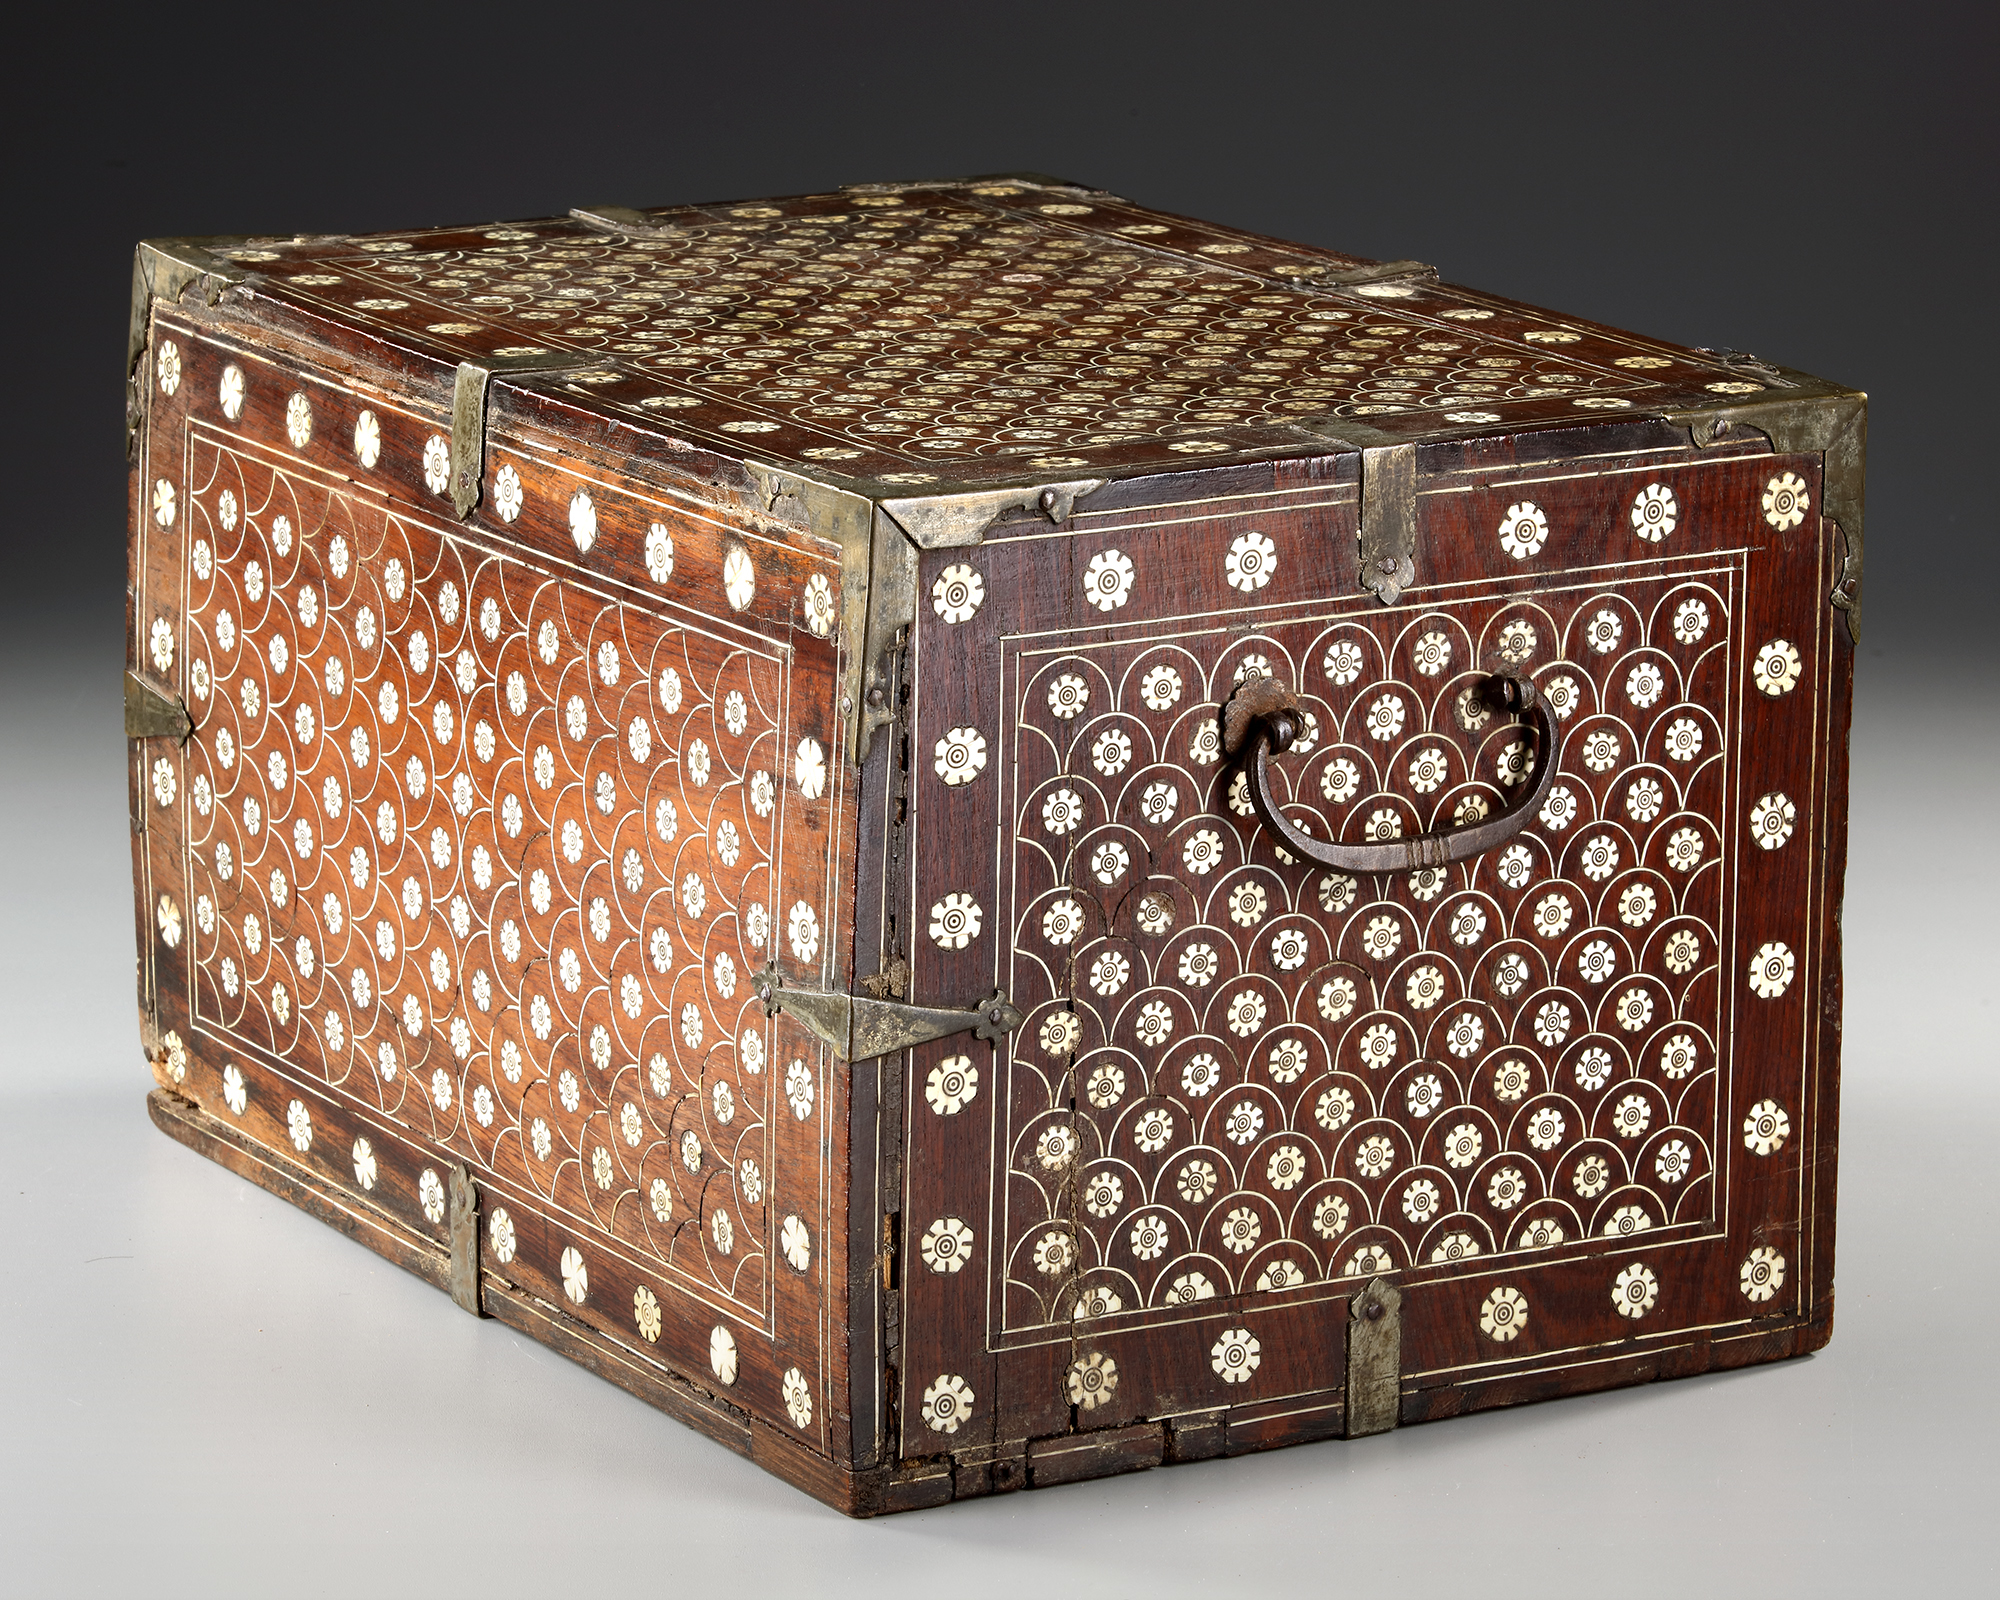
x=859, y=1028
x=1344, y=277
x=152, y=714
x=1374, y=1359
x=1743, y=361
x=468, y=416
x=623, y=220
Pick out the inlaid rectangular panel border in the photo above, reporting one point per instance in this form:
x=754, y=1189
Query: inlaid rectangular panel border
x=1789, y=591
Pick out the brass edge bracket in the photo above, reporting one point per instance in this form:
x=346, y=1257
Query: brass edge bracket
x=879, y=545
x=152, y=713
x=1812, y=418
x=1388, y=540
x=858, y=1028
x=903, y=528
x=622, y=219
x=464, y=1227
x=468, y=416
x=950, y=521
x=1374, y=1359
x=165, y=269
x=847, y=521
x=892, y=612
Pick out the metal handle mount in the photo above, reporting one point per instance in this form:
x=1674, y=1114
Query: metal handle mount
x=1262, y=719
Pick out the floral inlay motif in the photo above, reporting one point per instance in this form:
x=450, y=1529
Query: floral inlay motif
x=960, y=756
x=507, y=493
x=958, y=593
x=1091, y=1381
x=947, y=1402
x=1766, y=1128
x=955, y=921
x=1654, y=513
x=945, y=1245
x=1785, y=501
x=722, y=1357
x=1777, y=667
x=1762, y=1275
x=1107, y=581
x=1524, y=530
x=739, y=578
x=437, y=464
x=798, y=1398
x=1771, y=820
x=1236, y=1355
x=1635, y=1291
x=818, y=598
x=1771, y=970
x=951, y=1086
x=582, y=521
x=1251, y=561
x=367, y=440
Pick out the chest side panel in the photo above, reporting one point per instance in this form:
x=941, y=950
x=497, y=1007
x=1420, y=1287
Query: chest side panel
x=483, y=831
x=1549, y=1090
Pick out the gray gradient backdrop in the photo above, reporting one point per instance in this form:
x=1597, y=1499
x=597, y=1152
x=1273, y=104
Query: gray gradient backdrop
x=204, y=1392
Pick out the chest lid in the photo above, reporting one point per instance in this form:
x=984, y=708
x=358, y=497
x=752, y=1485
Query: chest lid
x=923, y=339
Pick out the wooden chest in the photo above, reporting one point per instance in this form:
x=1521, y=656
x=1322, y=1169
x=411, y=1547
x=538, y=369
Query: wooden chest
x=973, y=836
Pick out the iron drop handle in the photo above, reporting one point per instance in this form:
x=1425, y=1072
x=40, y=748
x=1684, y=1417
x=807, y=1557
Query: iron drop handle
x=1262, y=719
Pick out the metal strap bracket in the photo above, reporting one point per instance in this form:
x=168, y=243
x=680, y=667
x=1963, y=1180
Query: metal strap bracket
x=464, y=1200
x=468, y=416
x=165, y=269
x=1389, y=520
x=849, y=522
x=1374, y=1359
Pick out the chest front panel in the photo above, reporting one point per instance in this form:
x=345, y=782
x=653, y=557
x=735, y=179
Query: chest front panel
x=476, y=849
x=1246, y=1085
